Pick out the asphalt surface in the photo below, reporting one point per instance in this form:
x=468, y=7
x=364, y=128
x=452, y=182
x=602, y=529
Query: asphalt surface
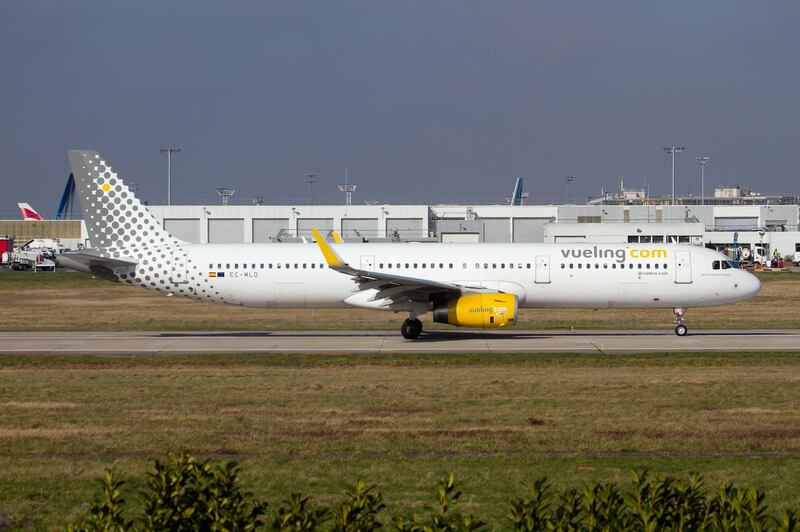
x=455, y=341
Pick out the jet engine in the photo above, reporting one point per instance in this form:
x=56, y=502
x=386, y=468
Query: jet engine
x=477, y=310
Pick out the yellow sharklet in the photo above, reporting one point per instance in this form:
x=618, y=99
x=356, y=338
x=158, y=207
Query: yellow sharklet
x=330, y=255
x=336, y=237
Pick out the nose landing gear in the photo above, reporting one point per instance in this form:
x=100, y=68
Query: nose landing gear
x=680, y=327
x=411, y=328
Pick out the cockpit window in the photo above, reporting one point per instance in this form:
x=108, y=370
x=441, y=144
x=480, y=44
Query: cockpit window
x=722, y=265
x=715, y=265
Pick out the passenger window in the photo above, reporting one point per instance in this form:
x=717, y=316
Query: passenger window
x=502, y=265
x=571, y=266
x=529, y=265
x=262, y=265
x=665, y=265
x=313, y=265
x=295, y=265
x=415, y=265
x=442, y=265
x=580, y=266
x=278, y=265
x=511, y=265
x=288, y=265
x=244, y=266
x=304, y=265
x=433, y=265
x=639, y=265
x=605, y=265
x=614, y=266
x=494, y=266
x=236, y=266
x=648, y=265
x=596, y=265
x=656, y=265
x=485, y=265
x=562, y=265
x=210, y=266
x=269, y=265
x=253, y=266
x=423, y=264
x=380, y=265
x=630, y=266
x=406, y=265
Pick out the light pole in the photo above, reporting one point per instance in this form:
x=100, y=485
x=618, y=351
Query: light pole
x=310, y=180
x=169, y=152
x=702, y=160
x=672, y=150
x=568, y=179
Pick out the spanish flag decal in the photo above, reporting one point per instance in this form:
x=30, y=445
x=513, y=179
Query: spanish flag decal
x=212, y=274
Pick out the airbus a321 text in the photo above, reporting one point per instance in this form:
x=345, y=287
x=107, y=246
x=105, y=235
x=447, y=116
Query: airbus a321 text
x=467, y=285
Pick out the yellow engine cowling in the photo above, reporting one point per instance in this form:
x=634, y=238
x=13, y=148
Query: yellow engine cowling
x=477, y=310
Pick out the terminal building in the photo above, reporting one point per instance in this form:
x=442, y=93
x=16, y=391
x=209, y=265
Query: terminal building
x=734, y=217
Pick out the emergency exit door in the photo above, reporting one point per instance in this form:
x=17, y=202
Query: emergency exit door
x=683, y=267
x=368, y=263
x=542, y=271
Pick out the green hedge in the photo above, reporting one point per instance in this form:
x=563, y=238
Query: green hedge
x=184, y=493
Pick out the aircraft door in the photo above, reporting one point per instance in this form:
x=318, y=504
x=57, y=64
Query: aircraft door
x=179, y=273
x=683, y=267
x=542, y=271
x=368, y=263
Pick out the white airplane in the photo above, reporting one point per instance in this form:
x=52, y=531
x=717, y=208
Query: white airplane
x=469, y=285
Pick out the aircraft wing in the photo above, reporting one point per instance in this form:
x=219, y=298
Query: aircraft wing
x=388, y=283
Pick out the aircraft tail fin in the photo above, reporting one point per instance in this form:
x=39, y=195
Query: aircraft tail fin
x=114, y=217
x=28, y=213
x=516, y=197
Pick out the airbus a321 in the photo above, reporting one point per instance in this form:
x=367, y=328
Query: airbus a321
x=466, y=285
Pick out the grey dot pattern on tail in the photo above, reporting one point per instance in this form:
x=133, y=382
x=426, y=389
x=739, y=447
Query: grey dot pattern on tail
x=120, y=226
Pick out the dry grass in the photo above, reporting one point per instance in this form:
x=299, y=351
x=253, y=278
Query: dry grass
x=72, y=301
x=314, y=423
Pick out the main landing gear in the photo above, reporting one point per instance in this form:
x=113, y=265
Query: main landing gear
x=411, y=328
x=680, y=327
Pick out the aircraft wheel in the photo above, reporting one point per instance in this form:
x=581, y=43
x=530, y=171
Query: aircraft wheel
x=411, y=329
x=681, y=330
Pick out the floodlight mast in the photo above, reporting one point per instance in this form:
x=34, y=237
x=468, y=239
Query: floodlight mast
x=568, y=179
x=672, y=150
x=310, y=180
x=169, y=152
x=348, y=189
x=225, y=194
x=702, y=160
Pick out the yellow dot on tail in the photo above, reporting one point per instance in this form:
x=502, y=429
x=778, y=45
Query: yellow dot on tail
x=106, y=187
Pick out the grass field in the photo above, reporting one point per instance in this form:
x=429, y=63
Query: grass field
x=74, y=301
x=315, y=423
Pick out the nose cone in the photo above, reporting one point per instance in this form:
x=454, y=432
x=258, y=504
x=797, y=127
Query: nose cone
x=751, y=284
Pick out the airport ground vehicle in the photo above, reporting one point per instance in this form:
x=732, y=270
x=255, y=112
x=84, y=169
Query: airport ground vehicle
x=468, y=285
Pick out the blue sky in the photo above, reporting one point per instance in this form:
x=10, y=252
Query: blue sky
x=421, y=100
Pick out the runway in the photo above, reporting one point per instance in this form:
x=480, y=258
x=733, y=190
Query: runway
x=376, y=342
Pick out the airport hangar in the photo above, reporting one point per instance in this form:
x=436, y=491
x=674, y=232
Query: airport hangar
x=771, y=222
